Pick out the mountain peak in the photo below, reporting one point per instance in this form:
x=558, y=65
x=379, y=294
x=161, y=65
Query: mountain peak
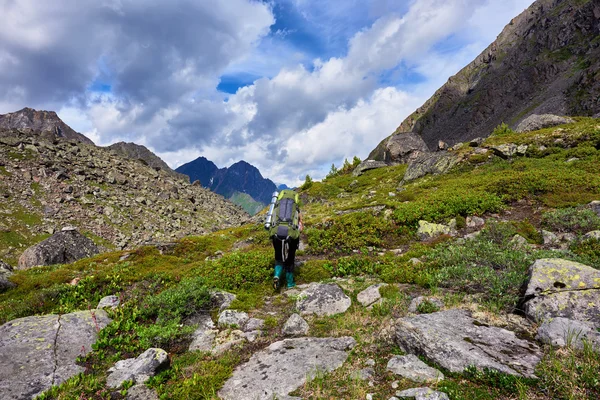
x=41, y=121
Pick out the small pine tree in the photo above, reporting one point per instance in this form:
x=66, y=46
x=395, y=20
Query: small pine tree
x=307, y=183
x=356, y=161
x=332, y=172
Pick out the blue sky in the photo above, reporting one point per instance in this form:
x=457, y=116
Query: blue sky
x=290, y=86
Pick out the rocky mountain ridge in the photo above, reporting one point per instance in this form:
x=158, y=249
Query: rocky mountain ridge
x=545, y=61
x=240, y=177
x=139, y=152
x=47, y=183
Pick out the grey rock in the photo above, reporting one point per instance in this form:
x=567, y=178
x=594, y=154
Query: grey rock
x=475, y=222
x=509, y=150
x=222, y=299
x=5, y=273
x=400, y=148
x=410, y=367
x=422, y=394
x=592, y=235
x=535, y=122
x=61, y=248
x=518, y=241
x=295, y=326
x=562, y=332
x=322, y=299
x=139, y=369
x=284, y=366
x=364, y=374
x=549, y=238
x=454, y=340
x=595, y=206
x=414, y=304
x=228, y=339
x=141, y=392
x=252, y=336
x=109, y=302
x=366, y=166
x=562, y=288
x=38, y=352
x=370, y=295
x=229, y=318
x=254, y=324
x=434, y=163
x=429, y=230
x=203, y=340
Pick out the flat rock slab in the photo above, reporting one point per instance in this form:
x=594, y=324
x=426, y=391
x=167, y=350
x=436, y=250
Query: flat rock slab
x=423, y=393
x=323, y=299
x=38, y=352
x=562, y=288
x=370, y=295
x=455, y=341
x=410, y=367
x=284, y=366
x=139, y=369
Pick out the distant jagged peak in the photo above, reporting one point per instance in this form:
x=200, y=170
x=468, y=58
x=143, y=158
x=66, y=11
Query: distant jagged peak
x=41, y=121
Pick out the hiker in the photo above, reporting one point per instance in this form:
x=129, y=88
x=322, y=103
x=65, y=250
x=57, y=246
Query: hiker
x=284, y=222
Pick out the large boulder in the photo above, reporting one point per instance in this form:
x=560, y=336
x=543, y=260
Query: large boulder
x=509, y=150
x=63, y=247
x=455, y=341
x=5, y=272
x=322, y=299
x=366, y=166
x=38, y=352
x=401, y=148
x=535, y=122
x=562, y=288
x=284, y=366
x=433, y=163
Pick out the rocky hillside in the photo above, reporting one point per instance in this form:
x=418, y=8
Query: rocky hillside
x=546, y=61
x=41, y=121
x=240, y=178
x=476, y=282
x=47, y=183
x=139, y=152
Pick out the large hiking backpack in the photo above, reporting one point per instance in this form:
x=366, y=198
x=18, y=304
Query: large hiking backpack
x=285, y=216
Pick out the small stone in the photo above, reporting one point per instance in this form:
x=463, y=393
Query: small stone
x=410, y=367
x=592, y=235
x=109, y=301
x=475, y=222
x=395, y=385
x=252, y=336
x=415, y=261
x=141, y=392
x=139, y=369
x=254, y=324
x=370, y=295
x=232, y=318
x=370, y=362
x=422, y=394
x=323, y=299
x=549, y=238
x=518, y=241
x=295, y=326
x=203, y=340
x=369, y=396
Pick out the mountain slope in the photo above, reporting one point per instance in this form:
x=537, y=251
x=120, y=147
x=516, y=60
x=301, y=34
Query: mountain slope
x=41, y=121
x=241, y=177
x=121, y=203
x=546, y=60
x=139, y=152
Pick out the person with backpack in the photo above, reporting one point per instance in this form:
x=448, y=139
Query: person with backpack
x=284, y=223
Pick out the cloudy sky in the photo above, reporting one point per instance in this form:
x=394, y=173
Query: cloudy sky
x=290, y=86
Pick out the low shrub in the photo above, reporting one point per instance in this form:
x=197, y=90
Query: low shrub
x=576, y=220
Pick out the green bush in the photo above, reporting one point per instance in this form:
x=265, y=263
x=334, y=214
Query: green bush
x=574, y=220
x=588, y=251
x=502, y=130
x=179, y=301
x=427, y=307
x=237, y=270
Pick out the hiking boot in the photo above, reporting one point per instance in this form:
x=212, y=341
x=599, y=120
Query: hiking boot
x=289, y=277
x=278, y=277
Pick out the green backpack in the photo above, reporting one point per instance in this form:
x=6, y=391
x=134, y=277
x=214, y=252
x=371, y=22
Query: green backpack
x=285, y=218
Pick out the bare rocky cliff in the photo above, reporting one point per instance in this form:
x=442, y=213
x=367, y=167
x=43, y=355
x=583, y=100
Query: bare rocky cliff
x=43, y=122
x=546, y=60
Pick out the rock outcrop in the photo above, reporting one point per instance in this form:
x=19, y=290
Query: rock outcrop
x=545, y=61
x=399, y=149
x=566, y=332
x=61, y=248
x=5, y=272
x=430, y=164
x=535, y=122
x=284, y=366
x=38, y=352
x=139, y=369
x=455, y=341
x=562, y=288
x=138, y=152
x=368, y=165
